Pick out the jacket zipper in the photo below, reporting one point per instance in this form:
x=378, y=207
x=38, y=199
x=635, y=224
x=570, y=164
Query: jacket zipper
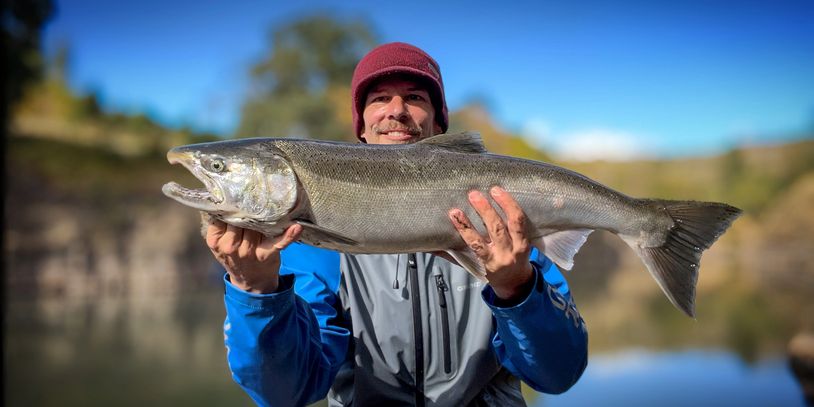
x=419, y=334
x=442, y=301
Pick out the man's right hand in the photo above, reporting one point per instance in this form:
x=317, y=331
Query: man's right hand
x=251, y=259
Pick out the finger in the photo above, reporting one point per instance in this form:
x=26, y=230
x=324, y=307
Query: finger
x=270, y=245
x=495, y=226
x=251, y=239
x=214, y=232
x=471, y=237
x=231, y=239
x=516, y=220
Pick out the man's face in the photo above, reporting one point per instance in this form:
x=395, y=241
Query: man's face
x=398, y=110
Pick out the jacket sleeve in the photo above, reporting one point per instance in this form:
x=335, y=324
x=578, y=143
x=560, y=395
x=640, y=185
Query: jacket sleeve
x=285, y=348
x=543, y=339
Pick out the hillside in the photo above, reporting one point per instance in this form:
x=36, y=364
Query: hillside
x=749, y=178
x=84, y=209
x=85, y=217
x=756, y=283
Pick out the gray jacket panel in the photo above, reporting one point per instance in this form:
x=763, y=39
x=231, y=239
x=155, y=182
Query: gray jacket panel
x=381, y=362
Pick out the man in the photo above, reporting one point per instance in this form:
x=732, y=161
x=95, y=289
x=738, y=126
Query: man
x=400, y=329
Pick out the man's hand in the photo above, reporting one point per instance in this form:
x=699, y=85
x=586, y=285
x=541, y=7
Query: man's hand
x=251, y=259
x=505, y=252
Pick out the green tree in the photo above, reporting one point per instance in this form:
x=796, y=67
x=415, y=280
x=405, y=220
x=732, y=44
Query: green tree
x=302, y=87
x=22, y=22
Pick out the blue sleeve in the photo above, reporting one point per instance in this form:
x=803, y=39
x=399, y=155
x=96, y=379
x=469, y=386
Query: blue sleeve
x=285, y=348
x=542, y=340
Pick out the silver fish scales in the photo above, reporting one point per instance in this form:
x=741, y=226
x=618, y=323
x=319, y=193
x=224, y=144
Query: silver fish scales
x=359, y=198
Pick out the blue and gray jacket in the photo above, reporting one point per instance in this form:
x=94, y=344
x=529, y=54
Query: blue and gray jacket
x=406, y=329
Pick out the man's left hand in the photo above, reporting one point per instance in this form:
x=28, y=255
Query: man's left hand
x=505, y=251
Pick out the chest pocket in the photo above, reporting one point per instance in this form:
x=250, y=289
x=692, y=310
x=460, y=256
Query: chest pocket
x=460, y=312
x=443, y=289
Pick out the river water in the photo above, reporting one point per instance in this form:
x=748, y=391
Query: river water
x=692, y=377
x=168, y=351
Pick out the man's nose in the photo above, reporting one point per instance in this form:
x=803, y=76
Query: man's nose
x=397, y=108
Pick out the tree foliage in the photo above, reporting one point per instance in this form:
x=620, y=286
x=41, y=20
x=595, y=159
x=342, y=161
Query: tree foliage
x=20, y=32
x=301, y=88
x=21, y=26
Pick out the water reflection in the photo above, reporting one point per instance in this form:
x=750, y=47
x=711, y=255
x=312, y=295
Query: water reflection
x=686, y=378
x=167, y=349
x=123, y=352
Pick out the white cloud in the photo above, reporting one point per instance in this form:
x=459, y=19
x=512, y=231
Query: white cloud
x=600, y=144
x=588, y=144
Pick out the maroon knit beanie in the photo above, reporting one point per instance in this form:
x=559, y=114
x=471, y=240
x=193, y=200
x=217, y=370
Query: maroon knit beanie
x=397, y=58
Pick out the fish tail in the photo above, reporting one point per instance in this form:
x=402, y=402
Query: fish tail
x=674, y=264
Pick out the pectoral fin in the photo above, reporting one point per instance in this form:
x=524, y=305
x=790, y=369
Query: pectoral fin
x=326, y=235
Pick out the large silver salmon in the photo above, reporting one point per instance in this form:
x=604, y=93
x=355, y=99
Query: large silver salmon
x=360, y=198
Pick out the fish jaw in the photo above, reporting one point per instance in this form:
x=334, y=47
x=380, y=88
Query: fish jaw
x=247, y=189
x=209, y=199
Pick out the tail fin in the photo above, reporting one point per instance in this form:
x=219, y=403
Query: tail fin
x=674, y=264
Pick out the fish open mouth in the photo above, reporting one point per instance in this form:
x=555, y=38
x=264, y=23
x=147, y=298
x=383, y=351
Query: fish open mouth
x=206, y=199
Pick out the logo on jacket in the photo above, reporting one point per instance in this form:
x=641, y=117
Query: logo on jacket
x=566, y=306
x=475, y=284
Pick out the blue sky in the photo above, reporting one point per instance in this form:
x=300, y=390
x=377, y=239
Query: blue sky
x=585, y=80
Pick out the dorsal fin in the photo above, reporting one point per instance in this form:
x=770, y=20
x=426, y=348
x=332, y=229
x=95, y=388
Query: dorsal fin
x=465, y=142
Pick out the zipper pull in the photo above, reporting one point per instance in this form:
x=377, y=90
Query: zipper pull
x=441, y=285
x=396, y=280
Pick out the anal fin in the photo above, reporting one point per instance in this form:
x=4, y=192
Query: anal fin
x=562, y=245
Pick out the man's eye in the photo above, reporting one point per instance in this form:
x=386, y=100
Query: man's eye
x=378, y=99
x=416, y=98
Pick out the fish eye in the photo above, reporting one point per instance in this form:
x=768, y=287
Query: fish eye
x=217, y=165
